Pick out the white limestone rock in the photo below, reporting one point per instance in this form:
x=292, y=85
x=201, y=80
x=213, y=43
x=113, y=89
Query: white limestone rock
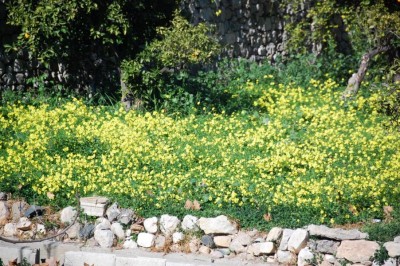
x=73, y=231
x=264, y=248
x=326, y=246
x=68, y=215
x=204, y=250
x=305, y=257
x=118, y=230
x=287, y=233
x=275, y=234
x=41, y=229
x=10, y=229
x=323, y=231
x=113, y=212
x=24, y=224
x=177, y=237
x=4, y=211
x=189, y=223
x=145, y=240
x=102, y=224
x=286, y=257
x=330, y=258
x=130, y=244
x=298, y=240
x=169, y=224
x=105, y=238
x=223, y=241
x=218, y=225
x=126, y=216
x=393, y=249
x=150, y=225
x=365, y=250
x=216, y=254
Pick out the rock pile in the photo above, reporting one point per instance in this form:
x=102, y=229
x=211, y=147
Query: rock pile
x=218, y=237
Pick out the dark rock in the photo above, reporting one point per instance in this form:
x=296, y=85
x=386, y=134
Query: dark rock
x=8, y=79
x=2, y=68
x=87, y=231
x=3, y=196
x=20, y=78
x=34, y=210
x=208, y=241
x=18, y=65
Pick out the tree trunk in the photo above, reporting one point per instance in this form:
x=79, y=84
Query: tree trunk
x=354, y=82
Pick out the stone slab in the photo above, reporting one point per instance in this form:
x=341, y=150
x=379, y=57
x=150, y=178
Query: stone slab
x=74, y=258
x=142, y=261
x=94, y=206
x=17, y=252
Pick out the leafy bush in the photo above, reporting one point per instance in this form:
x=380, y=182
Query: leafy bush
x=381, y=255
x=233, y=85
x=73, y=31
x=159, y=72
x=386, y=230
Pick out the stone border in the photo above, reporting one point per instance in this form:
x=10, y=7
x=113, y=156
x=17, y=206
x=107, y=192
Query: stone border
x=218, y=238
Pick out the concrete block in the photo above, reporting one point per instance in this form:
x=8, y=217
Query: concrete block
x=94, y=206
x=73, y=258
x=16, y=252
x=180, y=264
x=142, y=261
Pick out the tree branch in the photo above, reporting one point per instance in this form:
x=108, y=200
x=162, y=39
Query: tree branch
x=354, y=82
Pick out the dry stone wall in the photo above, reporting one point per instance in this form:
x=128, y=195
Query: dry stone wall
x=218, y=238
x=252, y=29
x=19, y=71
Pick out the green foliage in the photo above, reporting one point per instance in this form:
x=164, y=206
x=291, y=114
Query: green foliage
x=300, y=69
x=72, y=31
x=366, y=24
x=374, y=25
x=182, y=44
x=158, y=74
x=47, y=27
x=381, y=255
x=315, y=28
x=24, y=262
x=297, y=159
x=384, y=231
x=233, y=85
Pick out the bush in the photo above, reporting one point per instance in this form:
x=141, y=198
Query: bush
x=233, y=85
x=158, y=75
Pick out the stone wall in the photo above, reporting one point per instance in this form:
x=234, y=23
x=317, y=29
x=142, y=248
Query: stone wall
x=19, y=71
x=218, y=239
x=252, y=29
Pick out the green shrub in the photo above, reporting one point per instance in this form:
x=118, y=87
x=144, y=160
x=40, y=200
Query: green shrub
x=384, y=231
x=158, y=75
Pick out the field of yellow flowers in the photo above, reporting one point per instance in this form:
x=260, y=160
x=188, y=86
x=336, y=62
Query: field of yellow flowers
x=305, y=153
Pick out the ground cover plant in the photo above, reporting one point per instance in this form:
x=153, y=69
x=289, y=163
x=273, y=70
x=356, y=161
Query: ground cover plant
x=301, y=156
